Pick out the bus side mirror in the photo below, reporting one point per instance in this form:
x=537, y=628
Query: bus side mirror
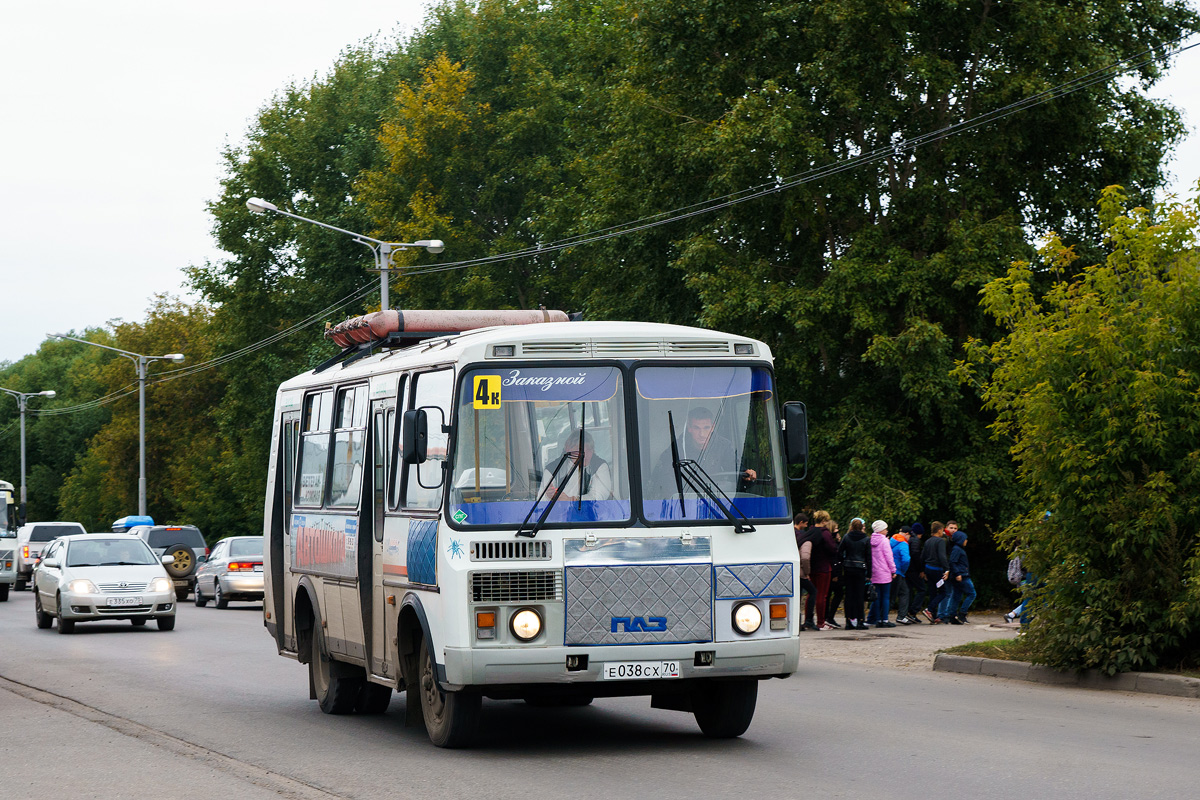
x=415, y=446
x=795, y=433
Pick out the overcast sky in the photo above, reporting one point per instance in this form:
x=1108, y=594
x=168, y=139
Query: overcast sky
x=114, y=116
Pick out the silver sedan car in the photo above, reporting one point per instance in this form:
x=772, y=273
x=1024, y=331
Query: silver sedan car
x=102, y=577
x=232, y=572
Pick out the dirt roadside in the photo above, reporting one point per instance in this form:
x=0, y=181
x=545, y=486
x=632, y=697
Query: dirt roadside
x=904, y=646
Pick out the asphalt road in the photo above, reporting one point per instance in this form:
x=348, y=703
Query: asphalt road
x=210, y=710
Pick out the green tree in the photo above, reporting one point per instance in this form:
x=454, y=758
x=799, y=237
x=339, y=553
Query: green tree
x=508, y=123
x=865, y=282
x=305, y=151
x=182, y=449
x=477, y=151
x=53, y=441
x=1096, y=387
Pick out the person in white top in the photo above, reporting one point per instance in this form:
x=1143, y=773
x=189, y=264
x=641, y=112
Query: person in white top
x=592, y=480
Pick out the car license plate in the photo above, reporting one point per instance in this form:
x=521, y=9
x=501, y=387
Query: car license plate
x=181, y=583
x=258, y=567
x=639, y=670
x=132, y=600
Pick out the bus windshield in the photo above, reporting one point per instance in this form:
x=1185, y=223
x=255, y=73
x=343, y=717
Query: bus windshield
x=518, y=449
x=725, y=425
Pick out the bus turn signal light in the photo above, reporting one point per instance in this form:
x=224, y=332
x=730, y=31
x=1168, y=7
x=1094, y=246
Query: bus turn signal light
x=485, y=624
x=779, y=613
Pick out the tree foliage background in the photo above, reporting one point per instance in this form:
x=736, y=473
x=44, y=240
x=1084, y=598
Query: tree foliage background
x=1096, y=384
x=510, y=124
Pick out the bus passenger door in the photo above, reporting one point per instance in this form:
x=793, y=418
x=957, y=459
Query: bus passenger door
x=282, y=591
x=383, y=414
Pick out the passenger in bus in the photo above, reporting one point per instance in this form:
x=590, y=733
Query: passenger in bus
x=712, y=452
x=591, y=481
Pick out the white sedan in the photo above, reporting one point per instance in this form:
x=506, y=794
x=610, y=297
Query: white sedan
x=100, y=577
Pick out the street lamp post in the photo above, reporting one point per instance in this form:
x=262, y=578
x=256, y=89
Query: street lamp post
x=383, y=250
x=22, y=401
x=142, y=362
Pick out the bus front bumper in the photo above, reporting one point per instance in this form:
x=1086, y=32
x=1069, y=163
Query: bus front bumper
x=487, y=666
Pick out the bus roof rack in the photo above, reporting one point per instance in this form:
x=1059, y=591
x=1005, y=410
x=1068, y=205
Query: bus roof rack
x=361, y=336
x=376, y=326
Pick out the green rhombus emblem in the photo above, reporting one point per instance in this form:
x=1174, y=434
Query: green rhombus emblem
x=460, y=516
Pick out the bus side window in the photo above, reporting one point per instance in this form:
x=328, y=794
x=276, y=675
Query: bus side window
x=314, y=448
x=395, y=468
x=423, y=483
x=349, y=447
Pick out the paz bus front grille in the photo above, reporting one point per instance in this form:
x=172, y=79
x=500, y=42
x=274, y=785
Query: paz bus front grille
x=524, y=586
x=639, y=604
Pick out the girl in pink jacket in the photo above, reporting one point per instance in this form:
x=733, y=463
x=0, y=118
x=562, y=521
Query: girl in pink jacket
x=883, y=570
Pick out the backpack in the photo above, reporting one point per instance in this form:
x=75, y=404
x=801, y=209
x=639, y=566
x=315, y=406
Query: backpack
x=1015, y=573
x=806, y=559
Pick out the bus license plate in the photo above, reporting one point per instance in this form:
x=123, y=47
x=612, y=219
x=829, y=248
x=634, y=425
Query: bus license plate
x=639, y=670
x=125, y=601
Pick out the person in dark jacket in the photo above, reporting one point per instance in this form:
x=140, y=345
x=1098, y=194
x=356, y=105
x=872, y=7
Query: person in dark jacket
x=936, y=556
x=943, y=611
x=855, y=552
x=836, y=583
x=916, y=572
x=963, y=590
x=804, y=545
x=824, y=550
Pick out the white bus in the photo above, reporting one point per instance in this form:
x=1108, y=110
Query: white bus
x=552, y=512
x=8, y=539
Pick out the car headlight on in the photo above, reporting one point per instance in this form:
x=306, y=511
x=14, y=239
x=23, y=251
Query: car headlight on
x=747, y=618
x=82, y=586
x=526, y=624
x=161, y=585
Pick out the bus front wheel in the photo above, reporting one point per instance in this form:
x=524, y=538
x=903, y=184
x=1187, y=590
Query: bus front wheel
x=451, y=718
x=724, y=709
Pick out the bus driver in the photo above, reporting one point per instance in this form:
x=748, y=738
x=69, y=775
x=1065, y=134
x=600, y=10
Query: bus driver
x=713, y=453
x=592, y=479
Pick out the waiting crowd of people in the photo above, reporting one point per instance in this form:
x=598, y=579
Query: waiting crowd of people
x=866, y=575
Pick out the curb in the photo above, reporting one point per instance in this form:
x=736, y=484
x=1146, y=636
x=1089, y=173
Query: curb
x=1145, y=682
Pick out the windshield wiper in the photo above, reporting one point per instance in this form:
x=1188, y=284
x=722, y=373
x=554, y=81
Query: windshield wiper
x=675, y=461
x=537, y=526
x=578, y=463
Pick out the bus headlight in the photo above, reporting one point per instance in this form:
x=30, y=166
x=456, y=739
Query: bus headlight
x=747, y=618
x=526, y=624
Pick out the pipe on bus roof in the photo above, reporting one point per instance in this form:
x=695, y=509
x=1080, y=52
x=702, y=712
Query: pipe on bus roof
x=377, y=326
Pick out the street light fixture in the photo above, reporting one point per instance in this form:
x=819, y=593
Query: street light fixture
x=22, y=401
x=383, y=250
x=142, y=362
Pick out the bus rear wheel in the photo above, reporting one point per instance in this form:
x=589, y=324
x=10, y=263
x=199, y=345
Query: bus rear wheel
x=451, y=718
x=724, y=709
x=336, y=694
x=373, y=698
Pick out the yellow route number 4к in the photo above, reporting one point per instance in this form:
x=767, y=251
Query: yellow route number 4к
x=486, y=391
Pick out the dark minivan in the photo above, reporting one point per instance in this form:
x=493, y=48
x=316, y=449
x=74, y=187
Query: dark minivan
x=185, y=543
